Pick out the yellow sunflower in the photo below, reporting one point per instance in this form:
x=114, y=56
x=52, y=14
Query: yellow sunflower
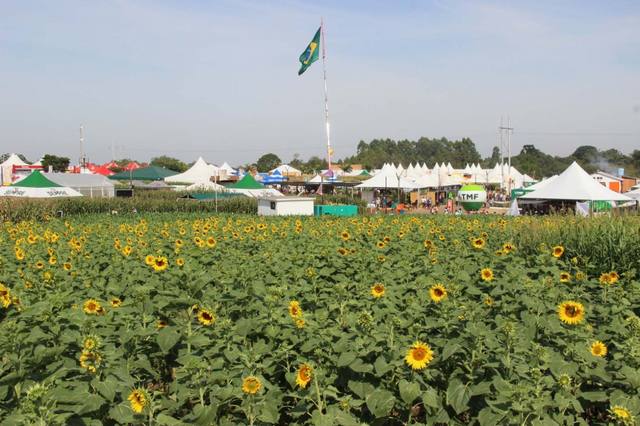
x=345, y=235
x=251, y=385
x=605, y=278
x=571, y=312
x=622, y=414
x=180, y=261
x=138, y=400
x=557, y=251
x=508, y=248
x=161, y=324
x=565, y=277
x=303, y=376
x=149, y=259
x=90, y=361
x=613, y=277
x=598, y=349
x=428, y=244
x=486, y=274
x=211, y=242
x=300, y=322
x=377, y=290
x=115, y=302
x=343, y=251
x=488, y=301
x=160, y=263
x=205, y=317
x=66, y=266
x=438, y=293
x=92, y=307
x=419, y=355
x=478, y=243
x=380, y=244
x=90, y=343
x=295, y=311
x=39, y=264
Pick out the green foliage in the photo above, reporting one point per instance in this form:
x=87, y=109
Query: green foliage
x=510, y=361
x=59, y=164
x=268, y=162
x=169, y=163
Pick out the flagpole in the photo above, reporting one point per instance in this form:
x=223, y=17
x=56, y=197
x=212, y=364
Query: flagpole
x=326, y=97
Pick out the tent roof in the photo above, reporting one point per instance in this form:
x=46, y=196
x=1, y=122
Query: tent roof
x=199, y=172
x=79, y=180
x=144, y=173
x=36, y=180
x=247, y=182
x=576, y=185
x=13, y=160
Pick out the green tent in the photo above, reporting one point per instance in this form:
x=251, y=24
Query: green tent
x=36, y=180
x=247, y=182
x=144, y=173
x=364, y=173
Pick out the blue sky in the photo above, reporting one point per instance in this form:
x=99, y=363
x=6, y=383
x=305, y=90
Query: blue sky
x=219, y=78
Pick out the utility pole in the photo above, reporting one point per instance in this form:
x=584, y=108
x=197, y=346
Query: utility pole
x=83, y=158
x=509, y=131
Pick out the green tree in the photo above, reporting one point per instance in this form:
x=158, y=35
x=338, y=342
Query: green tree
x=268, y=162
x=169, y=163
x=58, y=164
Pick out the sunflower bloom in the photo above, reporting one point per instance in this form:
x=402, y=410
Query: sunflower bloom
x=138, y=400
x=115, y=302
x=557, y=251
x=295, y=311
x=419, y=355
x=251, y=385
x=149, y=259
x=160, y=263
x=613, y=277
x=622, y=414
x=92, y=307
x=345, y=235
x=571, y=312
x=303, y=376
x=478, y=243
x=565, y=277
x=486, y=274
x=377, y=290
x=605, y=279
x=90, y=361
x=598, y=349
x=205, y=317
x=438, y=293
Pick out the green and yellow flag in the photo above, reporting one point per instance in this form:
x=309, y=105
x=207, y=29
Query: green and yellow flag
x=311, y=53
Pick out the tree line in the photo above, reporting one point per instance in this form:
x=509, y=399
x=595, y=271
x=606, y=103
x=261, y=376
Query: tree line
x=373, y=154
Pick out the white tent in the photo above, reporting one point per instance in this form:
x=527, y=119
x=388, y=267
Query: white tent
x=205, y=187
x=93, y=186
x=635, y=194
x=226, y=169
x=256, y=193
x=577, y=185
x=200, y=172
x=6, y=169
x=286, y=170
x=388, y=177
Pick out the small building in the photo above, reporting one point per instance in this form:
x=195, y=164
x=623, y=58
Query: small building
x=285, y=206
x=628, y=183
x=608, y=180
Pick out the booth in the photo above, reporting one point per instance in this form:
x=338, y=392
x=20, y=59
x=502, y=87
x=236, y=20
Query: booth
x=285, y=206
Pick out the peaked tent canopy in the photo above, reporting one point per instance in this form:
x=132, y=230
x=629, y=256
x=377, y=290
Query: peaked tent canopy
x=247, y=182
x=574, y=184
x=144, y=173
x=388, y=177
x=6, y=168
x=132, y=166
x=36, y=185
x=200, y=172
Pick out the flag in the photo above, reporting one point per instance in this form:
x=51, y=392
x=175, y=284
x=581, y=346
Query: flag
x=311, y=53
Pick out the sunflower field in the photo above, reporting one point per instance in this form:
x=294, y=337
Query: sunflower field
x=182, y=319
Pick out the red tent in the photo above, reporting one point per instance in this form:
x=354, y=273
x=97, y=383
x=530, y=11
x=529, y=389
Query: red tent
x=102, y=170
x=110, y=165
x=132, y=166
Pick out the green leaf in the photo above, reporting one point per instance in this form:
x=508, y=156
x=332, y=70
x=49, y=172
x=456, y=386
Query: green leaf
x=458, y=396
x=167, y=338
x=594, y=396
x=430, y=398
x=380, y=402
x=165, y=420
x=345, y=359
x=107, y=388
x=361, y=389
x=487, y=417
x=449, y=349
x=409, y=391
